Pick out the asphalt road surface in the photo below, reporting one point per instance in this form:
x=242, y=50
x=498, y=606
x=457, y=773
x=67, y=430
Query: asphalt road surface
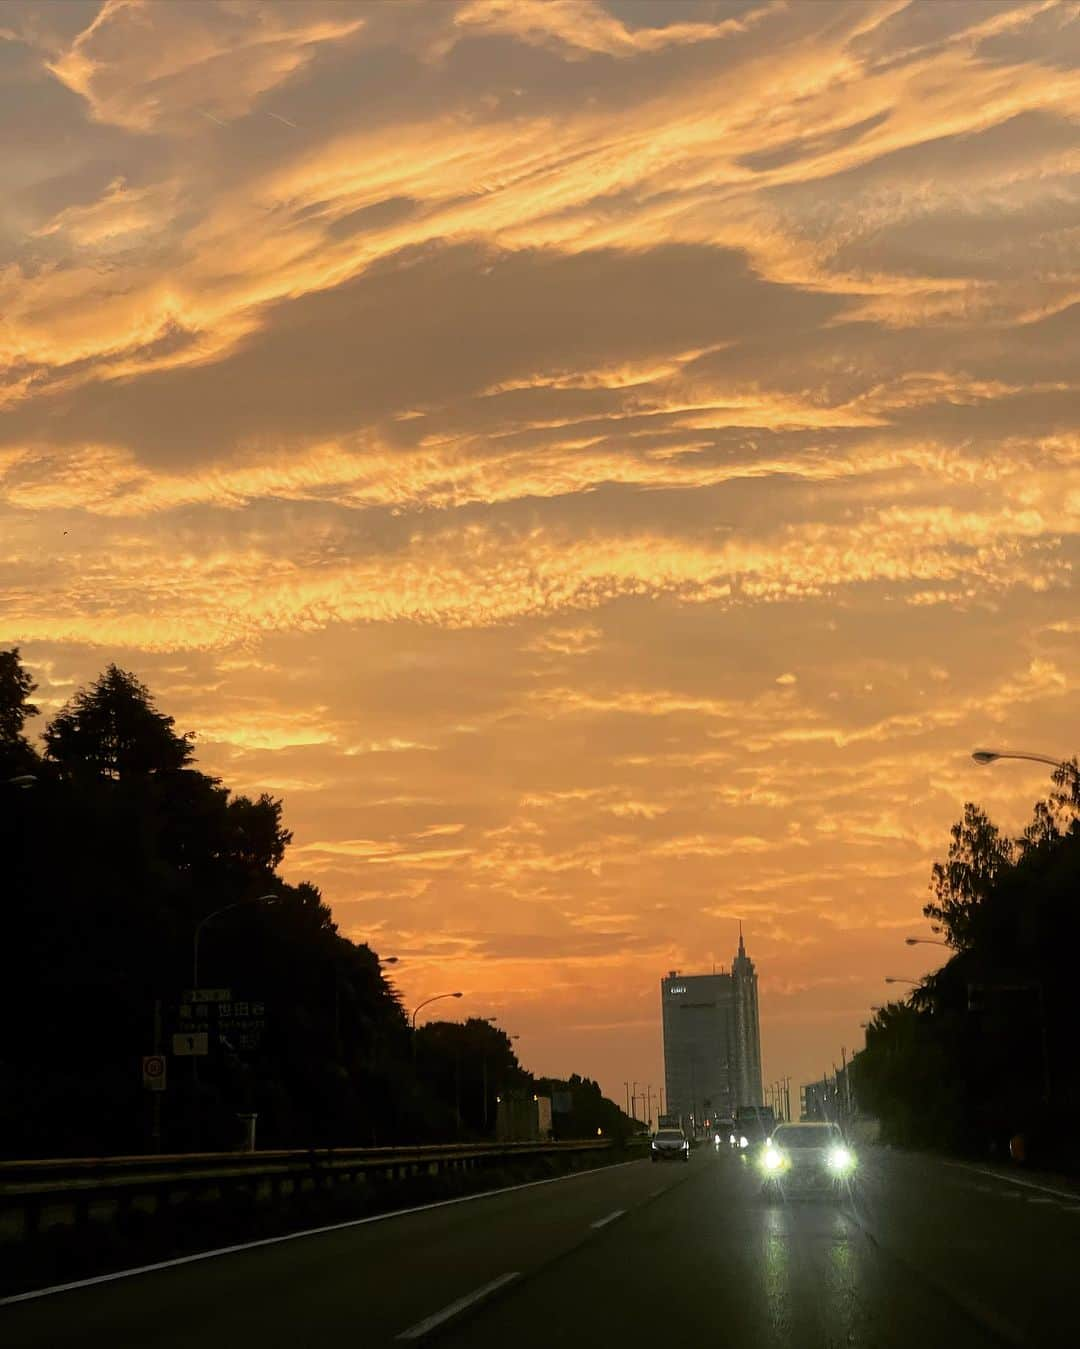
x=920, y=1253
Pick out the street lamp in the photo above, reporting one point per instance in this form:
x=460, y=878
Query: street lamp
x=987, y=756
x=436, y=998
x=23, y=780
x=890, y=979
x=238, y=904
x=225, y=908
x=923, y=941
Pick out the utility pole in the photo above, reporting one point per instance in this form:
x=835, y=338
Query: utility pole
x=847, y=1082
x=627, y=1086
x=648, y=1115
x=457, y=1091
x=633, y=1102
x=155, y=1103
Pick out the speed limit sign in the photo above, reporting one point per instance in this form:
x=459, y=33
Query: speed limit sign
x=153, y=1072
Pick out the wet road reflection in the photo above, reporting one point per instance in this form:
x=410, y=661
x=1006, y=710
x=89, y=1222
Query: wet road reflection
x=715, y=1257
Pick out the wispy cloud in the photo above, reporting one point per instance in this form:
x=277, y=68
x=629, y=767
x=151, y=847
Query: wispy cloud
x=606, y=507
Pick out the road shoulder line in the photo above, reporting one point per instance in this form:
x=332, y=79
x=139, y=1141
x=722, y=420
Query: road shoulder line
x=456, y=1307
x=1015, y=1180
x=603, y=1222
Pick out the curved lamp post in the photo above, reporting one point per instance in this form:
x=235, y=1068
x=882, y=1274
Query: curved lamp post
x=225, y=908
x=923, y=941
x=891, y=979
x=438, y=997
x=987, y=756
x=238, y=904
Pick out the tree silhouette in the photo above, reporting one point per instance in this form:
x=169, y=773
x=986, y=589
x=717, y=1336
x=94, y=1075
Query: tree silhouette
x=114, y=730
x=16, y=754
x=978, y=854
x=108, y=866
x=986, y=1046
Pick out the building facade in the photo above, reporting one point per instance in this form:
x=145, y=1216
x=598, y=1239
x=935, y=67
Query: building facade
x=712, y=1041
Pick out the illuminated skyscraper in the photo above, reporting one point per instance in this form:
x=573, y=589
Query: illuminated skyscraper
x=712, y=1040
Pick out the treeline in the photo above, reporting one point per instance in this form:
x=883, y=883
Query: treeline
x=114, y=848
x=983, y=1054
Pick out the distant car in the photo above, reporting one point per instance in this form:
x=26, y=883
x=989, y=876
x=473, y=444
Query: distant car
x=751, y=1128
x=807, y=1157
x=748, y=1135
x=722, y=1131
x=670, y=1145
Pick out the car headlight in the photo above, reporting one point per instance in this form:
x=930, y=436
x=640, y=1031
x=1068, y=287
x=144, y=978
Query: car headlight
x=772, y=1160
x=840, y=1160
x=731, y=1139
x=744, y=1142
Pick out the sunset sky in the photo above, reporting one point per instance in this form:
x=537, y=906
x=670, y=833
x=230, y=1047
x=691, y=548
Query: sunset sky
x=605, y=465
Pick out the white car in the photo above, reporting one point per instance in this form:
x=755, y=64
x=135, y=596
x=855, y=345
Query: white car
x=670, y=1145
x=807, y=1157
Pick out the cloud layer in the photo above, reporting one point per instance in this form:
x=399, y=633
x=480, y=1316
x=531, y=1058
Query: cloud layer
x=605, y=463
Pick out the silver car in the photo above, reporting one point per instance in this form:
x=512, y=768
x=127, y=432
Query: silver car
x=670, y=1145
x=807, y=1157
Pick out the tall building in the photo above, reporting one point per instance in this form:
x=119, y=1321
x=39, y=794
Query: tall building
x=712, y=1040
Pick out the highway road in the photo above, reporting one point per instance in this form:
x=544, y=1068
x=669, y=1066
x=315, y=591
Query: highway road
x=923, y=1252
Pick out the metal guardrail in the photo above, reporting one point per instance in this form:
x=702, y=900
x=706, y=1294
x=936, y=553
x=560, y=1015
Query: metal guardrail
x=68, y=1191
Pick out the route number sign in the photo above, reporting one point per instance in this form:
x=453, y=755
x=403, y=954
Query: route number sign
x=191, y=1044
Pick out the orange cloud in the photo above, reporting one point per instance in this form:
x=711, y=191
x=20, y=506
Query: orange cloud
x=605, y=508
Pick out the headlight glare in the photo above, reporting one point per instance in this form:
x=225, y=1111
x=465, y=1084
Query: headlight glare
x=840, y=1160
x=744, y=1142
x=772, y=1160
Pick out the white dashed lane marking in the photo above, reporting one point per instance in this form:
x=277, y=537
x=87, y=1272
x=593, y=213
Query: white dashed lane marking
x=439, y=1318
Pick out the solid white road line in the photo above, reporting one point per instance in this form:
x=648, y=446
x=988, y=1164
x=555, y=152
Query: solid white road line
x=455, y=1308
x=295, y=1236
x=603, y=1222
x=1074, y=1195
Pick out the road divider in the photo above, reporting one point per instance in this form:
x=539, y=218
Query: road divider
x=62, y=1221
x=218, y=1251
x=67, y=1192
